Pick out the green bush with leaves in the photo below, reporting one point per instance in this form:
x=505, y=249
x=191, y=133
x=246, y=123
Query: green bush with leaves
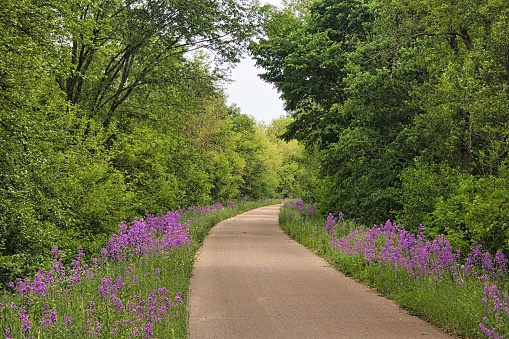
x=476, y=211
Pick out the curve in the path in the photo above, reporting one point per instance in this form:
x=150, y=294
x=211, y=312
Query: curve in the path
x=251, y=280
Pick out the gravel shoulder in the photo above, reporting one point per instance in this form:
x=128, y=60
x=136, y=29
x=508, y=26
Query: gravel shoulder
x=251, y=280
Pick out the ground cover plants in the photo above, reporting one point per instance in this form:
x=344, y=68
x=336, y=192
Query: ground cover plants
x=136, y=287
x=464, y=293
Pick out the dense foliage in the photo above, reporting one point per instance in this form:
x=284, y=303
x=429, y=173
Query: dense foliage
x=404, y=105
x=110, y=109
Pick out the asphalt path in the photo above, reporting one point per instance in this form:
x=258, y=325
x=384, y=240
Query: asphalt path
x=250, y=280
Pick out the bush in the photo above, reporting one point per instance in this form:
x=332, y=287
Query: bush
x=476, y=211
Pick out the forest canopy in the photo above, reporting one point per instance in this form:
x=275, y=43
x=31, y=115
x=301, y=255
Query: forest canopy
x=404, y=104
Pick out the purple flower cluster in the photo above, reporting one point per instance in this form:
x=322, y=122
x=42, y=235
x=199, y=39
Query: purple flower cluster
x=491, y=333
x=496, y=303
x=331, y=225
x=49, y=318
x=310, y=209
x=152, y=235
x=43, y=281
x=142, y=312
x=206, y=209
x=390, y=244
x=480, y=263
x=115, y=294
x=26, y=324
x=148, y=236
x=299, y=204
x=393, y=245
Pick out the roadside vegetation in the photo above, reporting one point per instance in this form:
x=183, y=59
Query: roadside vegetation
x=403, y=107
x=135, y=287
x=465, y=293
x=110, y=109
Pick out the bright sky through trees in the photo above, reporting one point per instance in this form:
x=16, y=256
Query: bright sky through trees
x=254, y=96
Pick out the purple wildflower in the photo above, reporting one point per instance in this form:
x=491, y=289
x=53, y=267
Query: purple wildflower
x=149, y=329
x=117, y=303
x=393, y=245
x=178, y=298
x=26, y=324
x=143, y=236
x=311, y=210
x=152, y=302
x=501, y=262
x=55, y=251
x=299, y=204
x=331, y=223
x=490, y=333
x=104, y=252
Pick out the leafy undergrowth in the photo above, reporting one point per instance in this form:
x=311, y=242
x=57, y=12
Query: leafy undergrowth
x=137, y=287
x=465, y=294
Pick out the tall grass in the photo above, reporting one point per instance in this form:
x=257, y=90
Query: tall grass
x=466, y=294
x=136, y=287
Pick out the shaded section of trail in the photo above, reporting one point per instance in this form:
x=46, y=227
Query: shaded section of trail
x=252, y=281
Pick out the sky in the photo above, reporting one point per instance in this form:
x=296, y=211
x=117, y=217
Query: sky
x=254, y=96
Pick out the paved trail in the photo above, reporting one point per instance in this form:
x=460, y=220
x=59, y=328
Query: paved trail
x=252, y=281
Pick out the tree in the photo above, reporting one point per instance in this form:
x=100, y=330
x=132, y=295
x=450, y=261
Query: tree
x=342, y=104
x=107, y=112
x=289, y=155
x=117, y=47
x=305, y=59
x=388, y=93
x=56, y=186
